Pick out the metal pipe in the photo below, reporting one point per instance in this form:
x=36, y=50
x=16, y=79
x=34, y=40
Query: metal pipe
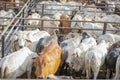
x=3, y=45
x=104, y=28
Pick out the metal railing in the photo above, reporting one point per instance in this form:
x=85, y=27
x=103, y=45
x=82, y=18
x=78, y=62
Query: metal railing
x=10, y=30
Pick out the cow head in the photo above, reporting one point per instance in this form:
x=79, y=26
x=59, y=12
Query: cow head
x=39, y=65
x=19, y=41
x=71, y=55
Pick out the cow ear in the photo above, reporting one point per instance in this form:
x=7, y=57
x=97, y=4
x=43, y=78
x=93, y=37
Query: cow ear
x=78, y=55
x=28, y=41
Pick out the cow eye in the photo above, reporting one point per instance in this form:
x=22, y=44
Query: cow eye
x=73, y=54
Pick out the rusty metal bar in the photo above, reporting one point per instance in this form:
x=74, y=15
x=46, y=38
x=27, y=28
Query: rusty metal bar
x=104, y=28
x=43, y=9
x=5, y=6
x=42, y=24
x=71, y=20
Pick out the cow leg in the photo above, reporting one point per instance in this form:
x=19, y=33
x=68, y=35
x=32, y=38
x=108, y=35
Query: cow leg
x=52, y=76
x=117, y=75
x=108, y=74
x=83, y=72
x=29, y=70
x=117, y=70
x=87, y=74
x=96, y=73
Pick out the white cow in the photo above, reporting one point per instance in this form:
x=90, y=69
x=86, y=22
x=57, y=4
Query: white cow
x=77, y=24
x=25, y=38
x=76, y=56
x=17, y=63
x=49, y=24
x=56, y=16
x=109, y=37
x=95, y=58
x=34, y=22
x=6, y=14
x=117, y=76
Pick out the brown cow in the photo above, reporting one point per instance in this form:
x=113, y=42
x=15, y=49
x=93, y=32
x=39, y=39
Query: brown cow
x=49, y=61
x=64, y=23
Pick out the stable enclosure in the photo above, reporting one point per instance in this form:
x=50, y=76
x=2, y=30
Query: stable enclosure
x=49, y=19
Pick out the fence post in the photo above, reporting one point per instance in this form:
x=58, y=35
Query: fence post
x=22, y=28
x=42, y=23
x=42, y=9
x=3, y=45
x=80, y=7
x=104, y=28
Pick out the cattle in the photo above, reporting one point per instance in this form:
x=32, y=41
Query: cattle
x=76, y=56
x=47, y=64
x=47, y=24
x=109, y=37
x=17, y=63
x=117, y=76
x=102, y=4
x=70, y=35
x=25, y=38
x=111, y=59
x=34, y=22
x=56, y=16
x=7, y=14
x=65, y=24
x=44, y=42
x=95, y=58
x=76, y=24
x=68, y=45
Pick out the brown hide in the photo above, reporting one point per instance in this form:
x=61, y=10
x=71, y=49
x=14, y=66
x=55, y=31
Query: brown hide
x=49, y=61
x=117, y=10
x=65, y=24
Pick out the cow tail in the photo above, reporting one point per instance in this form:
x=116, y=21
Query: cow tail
x=89, y=64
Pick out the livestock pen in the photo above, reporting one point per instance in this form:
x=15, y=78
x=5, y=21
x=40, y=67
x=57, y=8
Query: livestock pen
x=7, y=29
x=18, y=22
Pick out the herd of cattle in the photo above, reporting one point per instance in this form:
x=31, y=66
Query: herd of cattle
x=43, y=54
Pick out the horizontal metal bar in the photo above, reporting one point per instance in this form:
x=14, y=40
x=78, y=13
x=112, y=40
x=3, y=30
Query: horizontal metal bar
x=64, y=4
x=27, y=26
x=69, y=20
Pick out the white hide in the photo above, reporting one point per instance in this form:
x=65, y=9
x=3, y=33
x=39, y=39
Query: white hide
x=95, y=58
x=117, y=76
x=6, y=14
x=76, y=56
x=17, y=63
x=49, y=24
x=68, y=45
x=56, y=16
x=33, y=22
x=108, y=37
x=25, y=38
x=76, y=24
x=111, y=18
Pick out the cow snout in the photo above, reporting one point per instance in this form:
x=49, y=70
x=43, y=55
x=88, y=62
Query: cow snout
x=39, y=77
x=20, y=46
